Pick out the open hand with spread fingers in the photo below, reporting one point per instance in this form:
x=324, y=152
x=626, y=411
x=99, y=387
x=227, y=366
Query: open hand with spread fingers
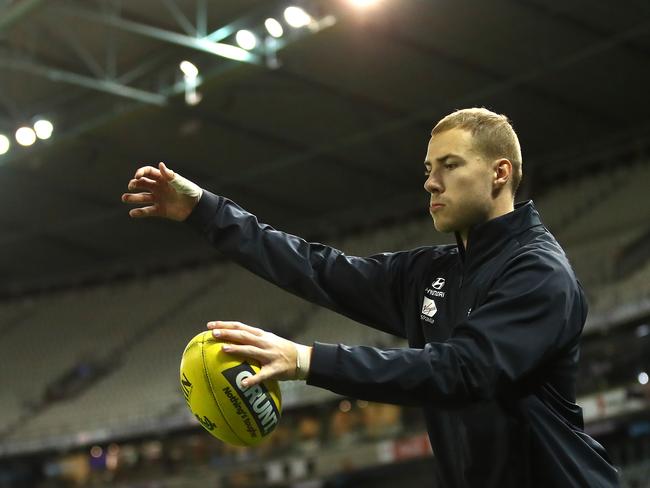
x=163, y=193
x=279, y=358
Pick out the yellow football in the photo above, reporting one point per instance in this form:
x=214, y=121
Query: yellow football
x=211, y=384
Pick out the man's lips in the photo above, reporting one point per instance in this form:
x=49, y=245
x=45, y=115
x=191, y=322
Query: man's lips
x=435, y=206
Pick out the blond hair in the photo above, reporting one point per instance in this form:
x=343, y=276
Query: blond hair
x=492, y=134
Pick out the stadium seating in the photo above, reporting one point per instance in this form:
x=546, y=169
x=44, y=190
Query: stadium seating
x=98, y=323
x=145, y=332
x=618, y=206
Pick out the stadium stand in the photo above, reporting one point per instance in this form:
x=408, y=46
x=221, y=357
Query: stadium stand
x=101, y=323
x=142, y=329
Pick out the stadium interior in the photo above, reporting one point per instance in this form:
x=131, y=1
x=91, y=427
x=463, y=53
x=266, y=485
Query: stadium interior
x=321, y=132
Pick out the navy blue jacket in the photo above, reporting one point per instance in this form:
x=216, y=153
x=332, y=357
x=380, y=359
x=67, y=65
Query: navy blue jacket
x=493, y=335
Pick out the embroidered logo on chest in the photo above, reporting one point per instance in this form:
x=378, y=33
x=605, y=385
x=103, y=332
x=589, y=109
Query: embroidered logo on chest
x=435, y=288
x=429, y=307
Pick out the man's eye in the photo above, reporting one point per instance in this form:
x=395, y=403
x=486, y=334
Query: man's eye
x=450, y=165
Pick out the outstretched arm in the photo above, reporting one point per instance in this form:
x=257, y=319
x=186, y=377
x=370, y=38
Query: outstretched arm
x=368, y=290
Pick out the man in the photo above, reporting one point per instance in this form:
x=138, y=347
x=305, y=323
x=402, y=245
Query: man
x=493, y=322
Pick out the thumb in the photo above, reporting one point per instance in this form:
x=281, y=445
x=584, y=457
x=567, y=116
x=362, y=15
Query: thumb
x=167, y=173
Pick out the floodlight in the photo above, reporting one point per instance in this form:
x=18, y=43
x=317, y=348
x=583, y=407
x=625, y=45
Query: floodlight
x=5, y=144
x=43, y=128
x=296, y=17
x=273, y=27
x=189, y=70
x=246, y=39
x=25, y=136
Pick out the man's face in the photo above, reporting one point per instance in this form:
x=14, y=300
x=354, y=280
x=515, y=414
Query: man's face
x=459, y=181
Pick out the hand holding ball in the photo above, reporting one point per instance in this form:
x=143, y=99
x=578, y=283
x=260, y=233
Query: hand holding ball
x=211, y=381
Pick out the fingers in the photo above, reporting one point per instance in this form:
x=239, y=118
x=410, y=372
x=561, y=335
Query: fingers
x=142, y=183
x=151, y=211
x=158, y=174
x=220, y=324
x=240, y=336
x=247, y=352
x=167, y=173
x=137, y=197
x=149, y=172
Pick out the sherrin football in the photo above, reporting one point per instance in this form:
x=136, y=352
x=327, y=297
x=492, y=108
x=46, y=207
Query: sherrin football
x=211, y=384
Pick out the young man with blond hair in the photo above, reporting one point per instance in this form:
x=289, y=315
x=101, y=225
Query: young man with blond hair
x=493, y=322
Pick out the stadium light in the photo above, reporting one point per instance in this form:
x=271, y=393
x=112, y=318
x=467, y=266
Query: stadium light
x=43, y=128
x=5, y=144
x=189, y=69
x=296, y=17
x=363, y=3
x=643, y=378
x=25, y=136
x=193, y=97
x=246, y=39
x=190, y=75
x=273, y=27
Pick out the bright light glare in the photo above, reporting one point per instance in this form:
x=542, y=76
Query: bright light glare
x=643, y=378
x=5, y=144
x=193, y=97
x=25, y=136
x=246, y=39
x=296, y=17
x=189, y=69
x=273, y=27
x=43, y=129
x=226, y=50
x=363, y=3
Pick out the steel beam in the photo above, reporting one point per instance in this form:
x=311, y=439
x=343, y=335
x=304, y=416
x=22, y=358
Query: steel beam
x=200, y=44
x=201, y=18
x=59, y=75
x=79, y=49
x=14, y=13
x=180, y=17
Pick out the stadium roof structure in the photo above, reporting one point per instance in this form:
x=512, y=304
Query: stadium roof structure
x=321, y=130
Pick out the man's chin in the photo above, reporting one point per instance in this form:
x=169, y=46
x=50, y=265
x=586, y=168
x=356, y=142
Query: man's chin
x=441, y=226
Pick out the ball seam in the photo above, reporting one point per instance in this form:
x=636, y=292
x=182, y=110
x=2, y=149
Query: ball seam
x=214, y=397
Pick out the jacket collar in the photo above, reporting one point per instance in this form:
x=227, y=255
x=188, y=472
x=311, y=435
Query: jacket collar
x=488, y=238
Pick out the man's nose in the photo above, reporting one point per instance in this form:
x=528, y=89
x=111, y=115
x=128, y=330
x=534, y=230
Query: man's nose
x=432, y=185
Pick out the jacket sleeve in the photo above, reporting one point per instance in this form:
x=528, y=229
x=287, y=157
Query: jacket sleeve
x=367, y=290
x=532, y=311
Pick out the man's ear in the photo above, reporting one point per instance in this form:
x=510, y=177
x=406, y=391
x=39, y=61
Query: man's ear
x=502, y=173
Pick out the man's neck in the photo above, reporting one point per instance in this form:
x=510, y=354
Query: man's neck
x=500, y=208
